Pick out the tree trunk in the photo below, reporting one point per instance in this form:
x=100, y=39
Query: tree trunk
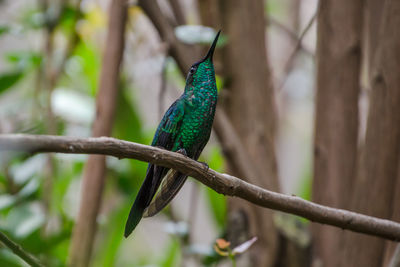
x=336, y=123
x=249, y=104
x=376, y=180
x=373, y=18
x=390, y=247
x=94, y=172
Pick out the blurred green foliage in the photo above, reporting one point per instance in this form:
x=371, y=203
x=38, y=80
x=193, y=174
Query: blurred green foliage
x=40, y=218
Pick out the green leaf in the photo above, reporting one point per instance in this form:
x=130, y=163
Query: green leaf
x=6, y=201
x=306, y=183
x=9, y=259
x=4, y=29
x=114, y=231
x=173, y=254
x=217, y=201
x=24, y=60
x=128, y=126
x=33, y=19
x=218, y=206
x=8, y=79
x=67, y=18
x=23, y=220
x=84, y=66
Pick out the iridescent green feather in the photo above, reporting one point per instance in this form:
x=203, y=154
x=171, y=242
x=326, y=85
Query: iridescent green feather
x=186, y=128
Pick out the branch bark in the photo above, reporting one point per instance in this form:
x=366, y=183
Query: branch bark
x=221, y=183
x=95, y=168
x=19, y=251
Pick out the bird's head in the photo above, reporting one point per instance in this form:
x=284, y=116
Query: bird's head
x=201, y=73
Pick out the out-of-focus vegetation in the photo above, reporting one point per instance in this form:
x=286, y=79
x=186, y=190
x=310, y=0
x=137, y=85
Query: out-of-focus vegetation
x=38, y=212
x=50, y=60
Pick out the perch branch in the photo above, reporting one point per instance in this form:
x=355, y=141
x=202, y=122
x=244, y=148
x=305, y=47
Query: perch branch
x=221, y=183
x=19, y=251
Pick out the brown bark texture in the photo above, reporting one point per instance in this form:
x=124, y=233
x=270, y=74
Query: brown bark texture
x=375, y=187
x=390, y=247
x=373, y=17
x=221, y=183
x=95, y=168
x=336, y=121
x=249, y=104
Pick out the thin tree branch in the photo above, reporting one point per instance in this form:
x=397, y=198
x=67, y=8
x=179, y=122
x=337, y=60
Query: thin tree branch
x=221, y=183
x=233, y=149
x=292, y=35
x=178, y=12
x=289, y=62
x=19, y=251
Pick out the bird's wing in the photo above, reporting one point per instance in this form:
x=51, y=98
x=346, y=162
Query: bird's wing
x=170, y=186
x=165, y=137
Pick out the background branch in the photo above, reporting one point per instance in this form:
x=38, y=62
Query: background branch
x=19, y=251
x=95, y=168
x=221, y=183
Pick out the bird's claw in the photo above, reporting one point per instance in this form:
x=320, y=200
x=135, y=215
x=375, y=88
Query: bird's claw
x=182, y=151
x=205, y=165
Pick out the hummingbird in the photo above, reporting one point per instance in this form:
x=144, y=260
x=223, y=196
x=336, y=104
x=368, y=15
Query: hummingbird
x=185, y=128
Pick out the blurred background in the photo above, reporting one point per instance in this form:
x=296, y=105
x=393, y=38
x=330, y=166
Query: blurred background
x=98, y=67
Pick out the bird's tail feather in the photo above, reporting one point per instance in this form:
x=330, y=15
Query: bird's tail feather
x=144, y=197
x=170, y=186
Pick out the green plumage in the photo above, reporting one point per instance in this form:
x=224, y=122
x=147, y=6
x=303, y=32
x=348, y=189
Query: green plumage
x=184, y=128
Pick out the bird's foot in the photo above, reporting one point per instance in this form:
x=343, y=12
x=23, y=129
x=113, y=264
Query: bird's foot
x=182, y=151
x=205, y=165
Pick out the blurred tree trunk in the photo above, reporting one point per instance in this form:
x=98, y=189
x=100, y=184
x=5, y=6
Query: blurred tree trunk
x=336, y=123
x=373, y=17
x=375, y=188
x=249, y=102
x=390, y=246
x=95, y=168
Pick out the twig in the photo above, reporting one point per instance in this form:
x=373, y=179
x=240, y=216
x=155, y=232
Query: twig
x=178, y=12
x=292, y=35
x=19, y=251
x=289, y=62
x=221, y=183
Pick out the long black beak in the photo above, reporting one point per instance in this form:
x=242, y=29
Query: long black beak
x=210, y=52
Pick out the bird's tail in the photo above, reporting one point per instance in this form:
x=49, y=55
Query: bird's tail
x=170, y=186
x=144, y=197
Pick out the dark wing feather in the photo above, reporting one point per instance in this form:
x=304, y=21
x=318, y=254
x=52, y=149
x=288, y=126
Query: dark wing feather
x=164, y=137
x=170, y=186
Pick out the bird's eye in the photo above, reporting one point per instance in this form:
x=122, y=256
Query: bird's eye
x=192, y=69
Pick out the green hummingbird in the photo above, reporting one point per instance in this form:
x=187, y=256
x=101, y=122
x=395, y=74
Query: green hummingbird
x=185, y=128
